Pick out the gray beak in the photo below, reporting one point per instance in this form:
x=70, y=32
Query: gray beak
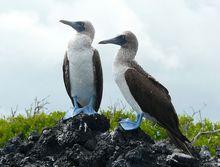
x=119, y=40
x=78, y=25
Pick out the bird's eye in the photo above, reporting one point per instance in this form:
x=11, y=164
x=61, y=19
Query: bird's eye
x=81, y=24
x=122, y=37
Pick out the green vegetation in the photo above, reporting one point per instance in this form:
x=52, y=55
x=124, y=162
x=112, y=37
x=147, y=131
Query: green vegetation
x=12, y=126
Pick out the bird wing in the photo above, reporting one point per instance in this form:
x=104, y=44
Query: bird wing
x=136, y=66
x=97, y=69
x=152, y=99
x=66, y=76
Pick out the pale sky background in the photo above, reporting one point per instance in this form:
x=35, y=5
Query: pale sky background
x=179, y=44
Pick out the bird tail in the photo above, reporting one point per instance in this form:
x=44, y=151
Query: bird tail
x=182, y=143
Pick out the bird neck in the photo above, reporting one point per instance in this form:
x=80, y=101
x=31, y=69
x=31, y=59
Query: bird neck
x=80, y=41
x=125, y=55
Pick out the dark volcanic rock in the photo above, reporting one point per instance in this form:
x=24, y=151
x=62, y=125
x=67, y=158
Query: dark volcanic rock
x=85, y=141
x=180, y=159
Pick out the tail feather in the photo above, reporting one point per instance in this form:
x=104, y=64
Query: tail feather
x=181, y=142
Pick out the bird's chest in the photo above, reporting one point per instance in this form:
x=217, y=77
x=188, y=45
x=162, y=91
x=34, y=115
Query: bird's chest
x=81, y=74
x=119, y=76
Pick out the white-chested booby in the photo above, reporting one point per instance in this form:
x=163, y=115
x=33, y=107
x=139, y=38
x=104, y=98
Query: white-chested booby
x=145, y=95
x=82, y=70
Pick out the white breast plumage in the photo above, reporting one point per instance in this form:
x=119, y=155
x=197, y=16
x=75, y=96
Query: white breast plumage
x=81, y=71
x=118, y=71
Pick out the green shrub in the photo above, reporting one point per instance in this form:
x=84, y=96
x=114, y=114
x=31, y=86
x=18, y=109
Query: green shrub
x=12, y=126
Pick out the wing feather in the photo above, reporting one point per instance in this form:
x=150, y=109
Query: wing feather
x=157, y=103
x=137, y=67
x=66, y=76
x=97, y=69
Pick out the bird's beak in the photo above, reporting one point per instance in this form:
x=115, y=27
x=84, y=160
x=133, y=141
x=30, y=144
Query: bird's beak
x=78, y=26
x=119, y=40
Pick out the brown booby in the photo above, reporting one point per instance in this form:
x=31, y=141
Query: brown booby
x=146, y=96
x=82, y=70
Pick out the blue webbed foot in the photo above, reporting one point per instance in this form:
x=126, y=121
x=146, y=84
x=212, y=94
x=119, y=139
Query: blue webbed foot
x=76, y=110
x=131, y=125
x=68, y=115
x=88, y=110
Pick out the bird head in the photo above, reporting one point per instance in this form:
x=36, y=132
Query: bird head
x=126, y=40
x=82, y=27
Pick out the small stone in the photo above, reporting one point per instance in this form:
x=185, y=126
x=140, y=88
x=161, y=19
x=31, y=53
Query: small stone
x=217, y=151
x=120, y=163
x=90, y=144
x=33, y=136
x=181, y=159
x=205, y=153
x=117, y=147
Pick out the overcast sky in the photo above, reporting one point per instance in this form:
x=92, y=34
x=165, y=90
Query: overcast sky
x=179, y=44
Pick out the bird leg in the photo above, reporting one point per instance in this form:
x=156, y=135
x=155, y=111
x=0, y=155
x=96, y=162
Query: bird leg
x=88, y=110
x=76, y=109
x=127, y=124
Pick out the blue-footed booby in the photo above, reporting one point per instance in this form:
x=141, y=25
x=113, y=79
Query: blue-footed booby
x=146, y=96
x=82, y=70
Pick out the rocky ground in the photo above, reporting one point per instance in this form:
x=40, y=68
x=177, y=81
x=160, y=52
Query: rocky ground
x=84, y=141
